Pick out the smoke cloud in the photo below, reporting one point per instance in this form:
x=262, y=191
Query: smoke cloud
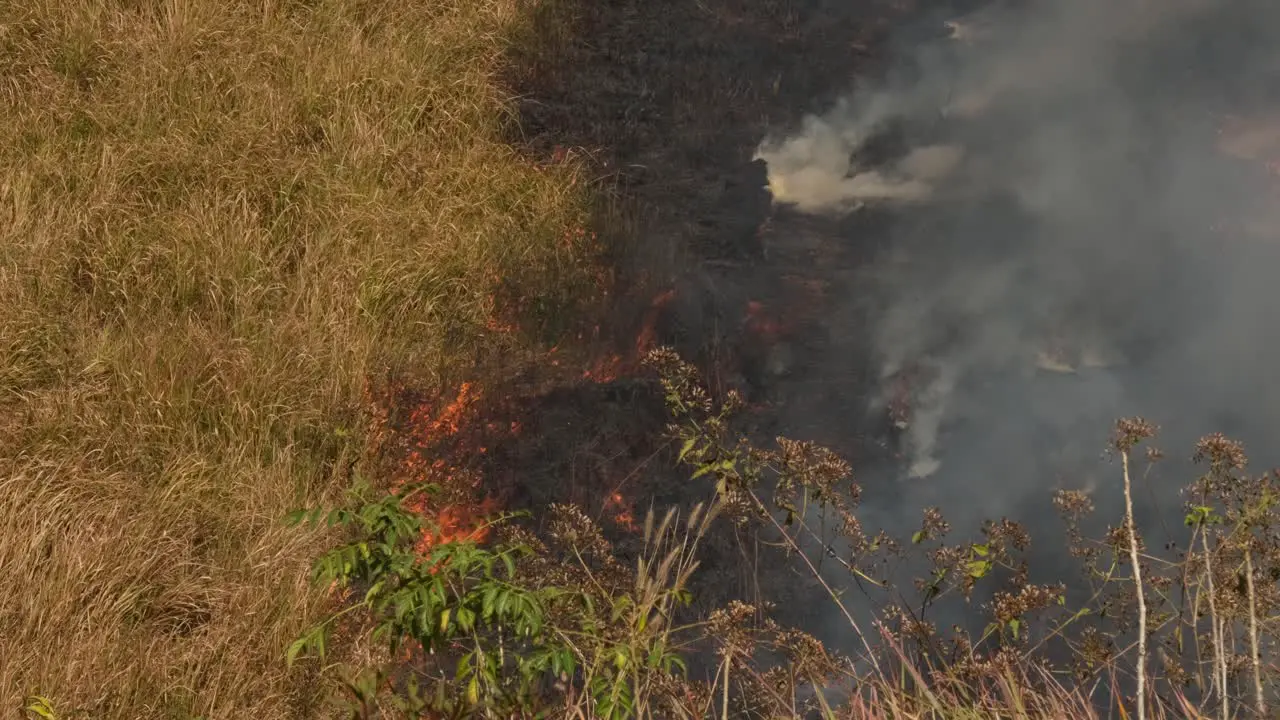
x=1084, y=226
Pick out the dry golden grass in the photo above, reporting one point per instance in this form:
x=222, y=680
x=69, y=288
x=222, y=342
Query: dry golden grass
x=217, y=219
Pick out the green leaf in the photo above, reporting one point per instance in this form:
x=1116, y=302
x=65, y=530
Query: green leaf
x=473, y=690
x=722, y=466
x=41, y=706
x=374, y=591
x=486, y=601
x=918, y=537
x=464, y=665
x=684, y=449
x=564, y=663
x=932, y=591
x=677, y=662
x=314, y=640
x=654, y=657
x=979, y=568
x=1014, y=625
x=620, y=606
x=466, y=619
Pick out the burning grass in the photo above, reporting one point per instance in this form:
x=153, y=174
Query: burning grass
x=219, y=219
x=601, y=640
x=472, y=448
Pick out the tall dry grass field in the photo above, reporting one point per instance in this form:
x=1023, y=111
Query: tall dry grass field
x=217, y=219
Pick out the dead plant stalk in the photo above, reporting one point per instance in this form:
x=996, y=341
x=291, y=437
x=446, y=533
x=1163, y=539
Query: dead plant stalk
x=1137, y=581
x=1219, y=646
x=1259, y=701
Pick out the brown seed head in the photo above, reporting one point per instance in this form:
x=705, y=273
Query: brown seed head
x=1131, y=431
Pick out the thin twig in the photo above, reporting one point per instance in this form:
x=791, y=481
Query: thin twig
x=724, y=691
x=1137, y=582
x=1259, y=701
x=818, y=576
x=1219, y=651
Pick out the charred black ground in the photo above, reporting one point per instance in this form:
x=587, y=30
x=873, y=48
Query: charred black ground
x=674, y=119
x=670, y=100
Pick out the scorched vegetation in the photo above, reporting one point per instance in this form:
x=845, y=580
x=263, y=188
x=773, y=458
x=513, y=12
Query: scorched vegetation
x=562, y=626
x=263, y=255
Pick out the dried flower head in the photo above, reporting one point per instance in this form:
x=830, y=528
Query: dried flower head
x=1009, y=606
x=1007, y=533
x=1131, y=431
x=933, y=525
x=1221, y=452
x=1073, y=503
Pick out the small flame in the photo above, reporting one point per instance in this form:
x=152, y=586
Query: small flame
x=501, y=327
x=458, y=523
x=604, y=370
x=609, y=367
x=623, y=514
x=432, y=444
x=648, y=335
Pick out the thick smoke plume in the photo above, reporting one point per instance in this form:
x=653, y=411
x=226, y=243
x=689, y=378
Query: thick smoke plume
x=1084, y=226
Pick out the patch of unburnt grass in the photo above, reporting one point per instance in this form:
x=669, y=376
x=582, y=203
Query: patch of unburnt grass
x=219, y=219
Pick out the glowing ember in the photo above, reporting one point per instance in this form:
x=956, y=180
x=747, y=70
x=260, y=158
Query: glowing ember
x=495, y=325
x=604, y=370
x=610, y=366
x=457, y=511
x=340, y=593
x=623, y=514
x=457, y=523
x=649, y=327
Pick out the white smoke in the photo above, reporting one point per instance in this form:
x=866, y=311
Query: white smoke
x=1092, y=122
x=814, y=170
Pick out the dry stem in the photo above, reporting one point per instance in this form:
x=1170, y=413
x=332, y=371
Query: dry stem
x=1137, y=581
x=1219, y=651
x=1259, y=702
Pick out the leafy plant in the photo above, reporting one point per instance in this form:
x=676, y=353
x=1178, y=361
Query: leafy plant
x=456, y=598
x=38, y=706
x=503, y=629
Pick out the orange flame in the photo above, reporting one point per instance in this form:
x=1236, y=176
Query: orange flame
x=623, y=514
x=458, y=523
x=610, y=366
x=649, y=326
x=604, y=370
x=456, y=512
